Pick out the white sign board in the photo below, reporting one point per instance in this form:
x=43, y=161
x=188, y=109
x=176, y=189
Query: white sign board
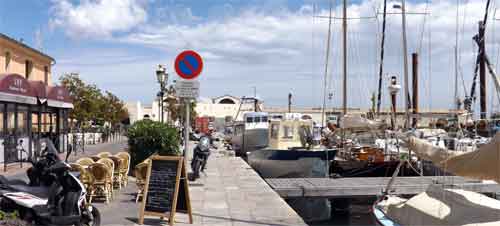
x=187, y=88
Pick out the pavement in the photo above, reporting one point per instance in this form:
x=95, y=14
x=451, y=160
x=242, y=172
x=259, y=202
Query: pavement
x=229, y=193
x=14, y=171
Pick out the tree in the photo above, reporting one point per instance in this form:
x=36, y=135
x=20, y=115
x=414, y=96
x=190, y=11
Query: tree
x=177, y=109
x=91, y=105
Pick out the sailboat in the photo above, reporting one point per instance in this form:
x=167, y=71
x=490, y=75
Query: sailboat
x=442, y=205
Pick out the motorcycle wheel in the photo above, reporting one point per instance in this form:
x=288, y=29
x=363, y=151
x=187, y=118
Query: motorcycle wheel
x=196, y=168
x=96, y=218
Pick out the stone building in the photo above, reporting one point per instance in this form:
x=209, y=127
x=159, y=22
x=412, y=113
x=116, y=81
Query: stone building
x=31, y=107
x=16, y=57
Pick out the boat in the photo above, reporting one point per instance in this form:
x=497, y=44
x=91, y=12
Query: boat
x=443, y=204
x=251, y=134
x=290, y=152
x=293, y=153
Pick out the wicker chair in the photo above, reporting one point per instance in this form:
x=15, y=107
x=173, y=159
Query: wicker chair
x=141, y=171
x=103, y=184
x=85, y=177
x=95, y=158
x=85, y=161
x=111, y=165
x=104, y=154
x=125, y=167
x=117, y=176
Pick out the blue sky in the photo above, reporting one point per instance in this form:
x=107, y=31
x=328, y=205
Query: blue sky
x=277, y=46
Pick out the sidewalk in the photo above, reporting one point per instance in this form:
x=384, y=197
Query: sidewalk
x=14, y=169
x=231, y=193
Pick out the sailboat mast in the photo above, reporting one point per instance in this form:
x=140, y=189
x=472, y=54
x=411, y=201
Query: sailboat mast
x=344, y=53
x=457, y=101
x=326, y=65
x=405, y=61
x=380, y=72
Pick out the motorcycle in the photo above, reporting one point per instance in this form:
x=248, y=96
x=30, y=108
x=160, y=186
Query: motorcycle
x=200, y=157
x=53, y=196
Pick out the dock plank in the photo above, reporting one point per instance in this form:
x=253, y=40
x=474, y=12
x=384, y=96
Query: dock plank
x=371, y=186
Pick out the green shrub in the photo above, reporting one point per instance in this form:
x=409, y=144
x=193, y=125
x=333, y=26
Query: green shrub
x=11, y=219
x=147, y=137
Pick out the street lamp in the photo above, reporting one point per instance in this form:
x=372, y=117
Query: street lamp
x=162, y=76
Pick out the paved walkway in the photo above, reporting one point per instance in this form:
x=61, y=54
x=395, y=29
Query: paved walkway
x=114, y=147
x=231, y=193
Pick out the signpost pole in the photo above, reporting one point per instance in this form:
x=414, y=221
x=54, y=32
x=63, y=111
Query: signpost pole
x=186, y=127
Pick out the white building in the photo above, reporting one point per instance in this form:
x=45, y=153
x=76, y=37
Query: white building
x=224, y=106
x=138, y=111
x=220, y=108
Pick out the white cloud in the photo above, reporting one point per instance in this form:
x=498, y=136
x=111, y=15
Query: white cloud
x=97, y=18
x=284, y=50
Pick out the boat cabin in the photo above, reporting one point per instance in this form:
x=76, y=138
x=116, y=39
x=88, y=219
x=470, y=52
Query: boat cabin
x=286, y=134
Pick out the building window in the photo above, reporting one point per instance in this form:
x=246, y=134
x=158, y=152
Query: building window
x=28, y=69
x=7, y=60
x=22, y=120
x=46, y=74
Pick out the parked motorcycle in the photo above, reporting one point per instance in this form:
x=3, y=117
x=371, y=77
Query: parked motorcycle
x=53, y=196
x=200, y=157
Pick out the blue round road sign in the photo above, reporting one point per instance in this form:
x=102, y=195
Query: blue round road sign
x=188, y=64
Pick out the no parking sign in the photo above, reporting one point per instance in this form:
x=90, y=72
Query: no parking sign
x=188, y=64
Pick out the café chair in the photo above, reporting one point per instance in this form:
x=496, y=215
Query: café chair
x=117, y=176
x=141, y=171
x=125, y=167
x=103, y=184
x=85, y=161
x=85, y=177
x=95, y=158
x=104, y=154
x=111, y=166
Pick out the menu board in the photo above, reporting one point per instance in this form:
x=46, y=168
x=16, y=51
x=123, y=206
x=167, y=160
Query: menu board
x=166, y=190
x=161, y=189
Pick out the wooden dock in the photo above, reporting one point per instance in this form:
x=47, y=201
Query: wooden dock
x=371, y=186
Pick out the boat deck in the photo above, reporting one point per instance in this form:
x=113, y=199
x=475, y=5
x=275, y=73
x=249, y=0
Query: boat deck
x=372, y=186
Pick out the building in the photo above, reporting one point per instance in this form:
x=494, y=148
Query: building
x=30, y=106
x=226, y=106
x=137, y=111
x=17, y=57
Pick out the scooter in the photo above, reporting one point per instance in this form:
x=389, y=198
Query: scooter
x=200, y=157
x=53, y=196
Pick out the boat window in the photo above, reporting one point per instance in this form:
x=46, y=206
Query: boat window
x=274, y=131
x=238, y=130
x=287, y=132
x=249, y=119
x=257, y=119
x=264, y=119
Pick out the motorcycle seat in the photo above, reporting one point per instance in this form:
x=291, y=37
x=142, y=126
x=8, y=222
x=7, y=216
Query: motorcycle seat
x=5, y=181
x=40, y=192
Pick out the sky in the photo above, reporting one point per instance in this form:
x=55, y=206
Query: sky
x=276, y=46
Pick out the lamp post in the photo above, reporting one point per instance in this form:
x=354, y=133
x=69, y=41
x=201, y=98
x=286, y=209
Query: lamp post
x=162, y=77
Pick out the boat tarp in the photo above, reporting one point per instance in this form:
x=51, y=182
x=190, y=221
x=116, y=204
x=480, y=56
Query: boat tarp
x=429, y=132
x=438, y=206
x=352, y=121
x=483, y=164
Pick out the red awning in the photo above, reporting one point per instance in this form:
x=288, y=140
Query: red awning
x=58, y=96
x=15, y=88
x=40, y=90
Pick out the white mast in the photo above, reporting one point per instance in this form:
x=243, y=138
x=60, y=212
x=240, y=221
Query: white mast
x=344, y=54
x=326, y=66
x=405, y=60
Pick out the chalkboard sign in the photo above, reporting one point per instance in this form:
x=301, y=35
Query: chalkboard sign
x=166, y=191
